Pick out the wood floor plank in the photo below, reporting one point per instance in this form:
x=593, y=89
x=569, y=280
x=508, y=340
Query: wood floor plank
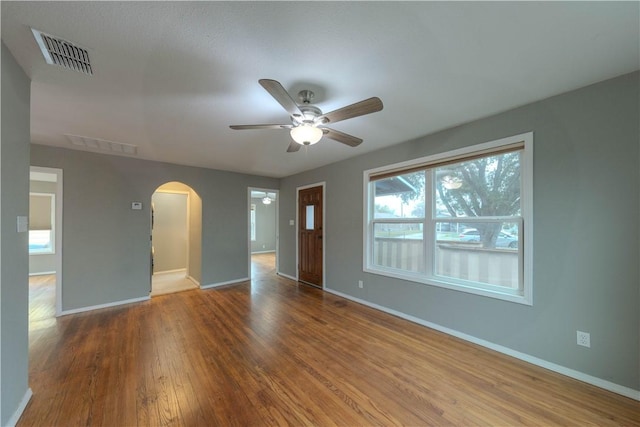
x=273, y=352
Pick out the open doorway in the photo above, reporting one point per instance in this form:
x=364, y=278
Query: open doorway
x=45, y=246
x=176, y=230
x=263, y=231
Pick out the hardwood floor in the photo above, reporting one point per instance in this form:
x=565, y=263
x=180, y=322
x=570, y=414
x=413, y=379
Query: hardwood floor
x=272, y=352
x=42, y=306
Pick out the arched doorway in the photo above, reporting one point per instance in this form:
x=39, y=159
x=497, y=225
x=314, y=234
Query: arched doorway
x=176, y=239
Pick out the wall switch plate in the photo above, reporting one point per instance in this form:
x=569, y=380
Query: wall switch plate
x=136, y=206
x=583, y=339
x=292, y=222
x=23, y=224
x=360, y=284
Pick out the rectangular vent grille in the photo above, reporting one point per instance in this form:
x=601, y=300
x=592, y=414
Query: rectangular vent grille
x=60, y=52
x=103, y=144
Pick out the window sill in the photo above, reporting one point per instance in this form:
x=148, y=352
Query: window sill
x=42, y=253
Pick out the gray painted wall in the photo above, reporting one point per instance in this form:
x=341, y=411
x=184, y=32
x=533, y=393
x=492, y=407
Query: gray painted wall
x=170, y=232
x=586, y=210
x=106, y=244
x=265, y=226
x=42, y=263
x=14, y=260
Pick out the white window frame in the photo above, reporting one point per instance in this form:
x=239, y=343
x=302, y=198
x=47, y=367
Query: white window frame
x=523, y=296
x=252, y=221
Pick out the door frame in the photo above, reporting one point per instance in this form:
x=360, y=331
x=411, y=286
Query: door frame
x=322, y=184
x=58, y=230
x=277, y=207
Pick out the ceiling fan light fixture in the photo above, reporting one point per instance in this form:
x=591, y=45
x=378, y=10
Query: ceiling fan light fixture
x=306, y=134
x=306, y=118
x=451, y=182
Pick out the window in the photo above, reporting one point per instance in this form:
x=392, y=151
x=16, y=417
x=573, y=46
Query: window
x=41, y=222
x=253, y=222
x=456, y=220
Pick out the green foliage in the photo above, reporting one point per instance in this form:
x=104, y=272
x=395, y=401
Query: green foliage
x=490, y=186
x=416, y=179
x=483, y=187
x=384, y=209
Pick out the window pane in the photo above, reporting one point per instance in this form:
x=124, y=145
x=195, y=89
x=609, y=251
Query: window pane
x=309, y=225
x=486, y=253
x=448, y=231
x=399, y=246
x=399, y=196
x=40, y=242
x=489, y=186
x=455, y=220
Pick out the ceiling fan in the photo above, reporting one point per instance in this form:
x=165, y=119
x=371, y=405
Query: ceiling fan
x=308, y=121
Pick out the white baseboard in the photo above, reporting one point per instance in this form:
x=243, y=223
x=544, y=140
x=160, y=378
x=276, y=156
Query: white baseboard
x=589, y=379
x=193, y=280
x=263, y=252
x=18, y=413
x=42, y=273
x=107, y=305
x=230, y=282
x=177, y=270
x=295, y=279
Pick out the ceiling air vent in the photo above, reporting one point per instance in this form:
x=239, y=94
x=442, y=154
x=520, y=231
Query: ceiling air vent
x=60, y=52
x=103, y=144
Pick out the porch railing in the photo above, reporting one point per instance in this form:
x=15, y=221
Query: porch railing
x=460, y=260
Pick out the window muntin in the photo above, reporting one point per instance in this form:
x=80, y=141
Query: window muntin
x=458, y=223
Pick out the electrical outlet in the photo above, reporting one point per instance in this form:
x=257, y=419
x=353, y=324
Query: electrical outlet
x=584, y=338
x=360, y=284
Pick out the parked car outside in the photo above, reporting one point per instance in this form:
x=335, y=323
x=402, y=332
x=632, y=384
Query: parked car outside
x=504, y=240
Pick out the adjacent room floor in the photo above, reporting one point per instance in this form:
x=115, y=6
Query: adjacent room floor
x=171, y=282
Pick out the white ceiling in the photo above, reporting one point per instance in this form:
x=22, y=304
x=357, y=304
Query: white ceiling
x=170, y=77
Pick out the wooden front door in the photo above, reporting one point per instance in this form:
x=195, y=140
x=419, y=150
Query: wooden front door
x=310, y=236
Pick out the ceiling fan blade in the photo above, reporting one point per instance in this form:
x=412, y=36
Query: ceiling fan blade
x=276, y=90
x=361, y=108
x=293, y=147
x=345, y=138
x=243, y=127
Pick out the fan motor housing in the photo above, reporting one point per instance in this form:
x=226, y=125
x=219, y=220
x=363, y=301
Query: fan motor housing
x=309, y=114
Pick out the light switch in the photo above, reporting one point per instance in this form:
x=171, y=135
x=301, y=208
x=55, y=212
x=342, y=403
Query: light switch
x=291, y=222
x=136, y=206
x=23, y=224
